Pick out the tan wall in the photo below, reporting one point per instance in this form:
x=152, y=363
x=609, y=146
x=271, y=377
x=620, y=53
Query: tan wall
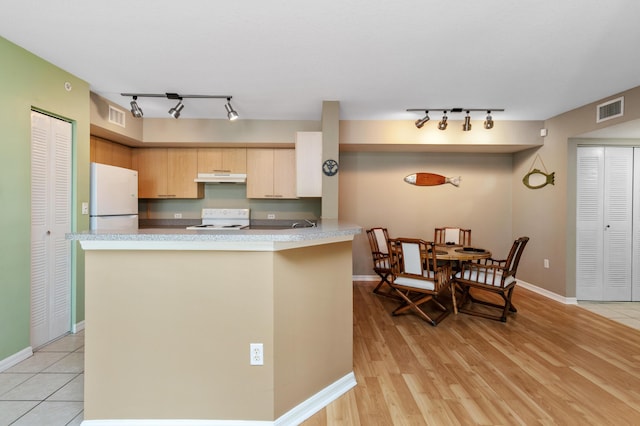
x=547, y=215
x=168, y=332
x=373, y=193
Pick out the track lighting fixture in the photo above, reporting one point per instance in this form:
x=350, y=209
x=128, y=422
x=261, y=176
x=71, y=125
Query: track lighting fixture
x=467, y=123
x=442, y=124
x=175, y=111
x=231, y=113
x=488, y=123
x=136, y=111
x=420, y=122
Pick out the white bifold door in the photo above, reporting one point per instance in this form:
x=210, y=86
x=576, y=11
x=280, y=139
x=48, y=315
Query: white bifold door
x=51, y=140
x=605, y=224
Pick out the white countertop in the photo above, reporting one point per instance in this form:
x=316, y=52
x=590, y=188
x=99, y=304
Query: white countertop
x=326, y=232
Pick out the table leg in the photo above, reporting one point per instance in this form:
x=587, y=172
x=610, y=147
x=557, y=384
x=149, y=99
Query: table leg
x=453, y=298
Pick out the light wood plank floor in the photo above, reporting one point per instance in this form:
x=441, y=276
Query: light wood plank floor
x=550, y=364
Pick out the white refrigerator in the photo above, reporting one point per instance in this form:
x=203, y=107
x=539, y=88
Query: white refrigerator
x=114, y=198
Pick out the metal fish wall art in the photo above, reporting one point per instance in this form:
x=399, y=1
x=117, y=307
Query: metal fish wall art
x=431, y=179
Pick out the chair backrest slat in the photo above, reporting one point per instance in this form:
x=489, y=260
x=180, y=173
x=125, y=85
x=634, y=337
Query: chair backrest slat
x=449, y=235
x=514, y=255
x=381, y=238
x=411, y=257
x=378, y=241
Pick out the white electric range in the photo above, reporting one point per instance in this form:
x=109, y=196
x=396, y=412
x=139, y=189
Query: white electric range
x=223, y=220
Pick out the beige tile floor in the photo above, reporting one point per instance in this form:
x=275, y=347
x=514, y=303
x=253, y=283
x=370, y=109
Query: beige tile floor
x=47, y=388
x=627, y=313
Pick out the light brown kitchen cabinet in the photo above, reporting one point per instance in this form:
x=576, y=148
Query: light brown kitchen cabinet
x=106, y=152
x=271, y=173
x=167, y=173
x=222, y=160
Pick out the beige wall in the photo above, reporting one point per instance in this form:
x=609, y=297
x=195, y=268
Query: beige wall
x=168, y=332
x=547, y=215
x=373, y=193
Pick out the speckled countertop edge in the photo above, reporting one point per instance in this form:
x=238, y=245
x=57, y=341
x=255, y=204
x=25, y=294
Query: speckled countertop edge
x=324, y=230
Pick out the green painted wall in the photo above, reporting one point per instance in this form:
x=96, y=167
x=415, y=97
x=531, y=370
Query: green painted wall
x=27, y=82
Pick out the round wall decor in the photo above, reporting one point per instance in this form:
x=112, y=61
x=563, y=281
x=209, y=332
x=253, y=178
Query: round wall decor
x=330, y=167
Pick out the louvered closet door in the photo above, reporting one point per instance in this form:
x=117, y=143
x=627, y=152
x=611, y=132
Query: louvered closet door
x=635, y=266
x=589, y=223
x=50, y=221
x=618, y=205
x=604, y=223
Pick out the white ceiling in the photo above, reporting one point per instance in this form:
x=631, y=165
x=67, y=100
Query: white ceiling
x=280, y=59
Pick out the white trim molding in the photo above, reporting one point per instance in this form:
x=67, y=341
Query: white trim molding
x=548, y=294
x=16, y=358
x=294, y=416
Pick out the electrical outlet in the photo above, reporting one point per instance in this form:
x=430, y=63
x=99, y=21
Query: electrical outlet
x=256, y=354
x=271, y=216
x=177, y=215
x=546, y=263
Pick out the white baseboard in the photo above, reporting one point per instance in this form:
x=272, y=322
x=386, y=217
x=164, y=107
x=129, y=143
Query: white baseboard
x=548, y=294
x=294, y=416
x=365, y=278
x=77, y=327
x=14, y=359
x=524, y=284
x=317, y=402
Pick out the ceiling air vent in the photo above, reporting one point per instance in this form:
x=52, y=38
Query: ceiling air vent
x=610, y=109
x=116, y=116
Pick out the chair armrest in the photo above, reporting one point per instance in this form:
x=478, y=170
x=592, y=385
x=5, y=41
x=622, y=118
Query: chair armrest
x=478, y=273
x=492, y=261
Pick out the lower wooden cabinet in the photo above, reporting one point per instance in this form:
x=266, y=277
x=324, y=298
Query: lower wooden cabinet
x=167, y=173
x=271, y=173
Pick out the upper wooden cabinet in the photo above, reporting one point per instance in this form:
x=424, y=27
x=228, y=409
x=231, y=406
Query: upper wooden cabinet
x=222, y=160
x=271, y=173
x=106, y=152
x=167, y=173
x=309, y=164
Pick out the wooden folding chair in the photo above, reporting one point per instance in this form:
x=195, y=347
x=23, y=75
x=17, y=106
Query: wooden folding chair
x=378, y=241
x=494, y=276
x=417, y=278
x=455, y=236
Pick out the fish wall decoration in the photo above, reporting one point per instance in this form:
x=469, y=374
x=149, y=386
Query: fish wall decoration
x=431, y=179
x=536, y=178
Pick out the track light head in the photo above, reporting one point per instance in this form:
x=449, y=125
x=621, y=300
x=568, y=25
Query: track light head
x=232, y=115
x=488, y=123
x=175, y=111
x=442, y=125
x=135, y=109
x=421, y=122
x=467, y=123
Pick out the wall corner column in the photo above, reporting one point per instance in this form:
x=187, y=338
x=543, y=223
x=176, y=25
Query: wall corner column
x=330, y=150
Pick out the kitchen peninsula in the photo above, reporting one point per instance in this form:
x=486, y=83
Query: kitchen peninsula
x=171, y=314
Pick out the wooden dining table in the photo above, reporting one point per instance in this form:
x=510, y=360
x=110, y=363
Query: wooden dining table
x=457, y=254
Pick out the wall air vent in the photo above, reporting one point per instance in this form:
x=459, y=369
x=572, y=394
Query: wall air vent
x=116, y=116
x=610, y=109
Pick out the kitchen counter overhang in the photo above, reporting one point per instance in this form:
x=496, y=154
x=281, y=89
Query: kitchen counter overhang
x=170, y=315
x=236, y=240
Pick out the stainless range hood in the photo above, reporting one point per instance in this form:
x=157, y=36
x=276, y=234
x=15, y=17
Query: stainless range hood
x=221, y=178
